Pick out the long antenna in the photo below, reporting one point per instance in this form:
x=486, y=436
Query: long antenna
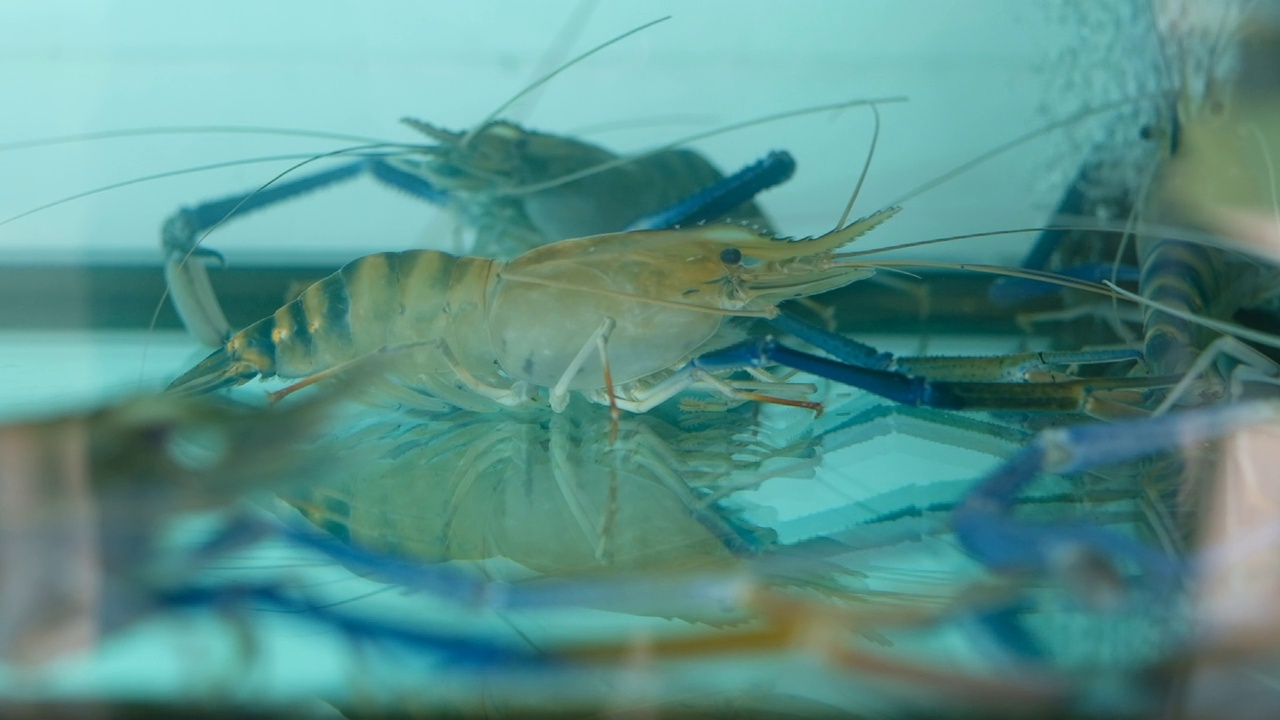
x=559, y=48
x=183, y=130
x=1023, y=139
x=866, y=166
x=549, y=76
x=626, y=159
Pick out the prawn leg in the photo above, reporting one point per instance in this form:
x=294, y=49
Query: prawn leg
x=983, y=522
x=788, y=623
x=456, y=649
x=985, y=527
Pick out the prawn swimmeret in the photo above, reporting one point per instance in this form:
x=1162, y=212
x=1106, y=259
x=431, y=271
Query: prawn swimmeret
x=617, y=318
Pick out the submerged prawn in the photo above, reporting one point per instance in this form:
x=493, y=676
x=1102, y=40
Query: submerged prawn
x=83, y=499
x=511, y=188
x=615, y=317
x=1204, y=217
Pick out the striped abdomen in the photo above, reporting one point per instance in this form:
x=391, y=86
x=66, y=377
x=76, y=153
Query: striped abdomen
x=1186, y=277
x=377, y=301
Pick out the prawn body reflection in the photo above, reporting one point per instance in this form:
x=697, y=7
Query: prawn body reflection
x=550, y=492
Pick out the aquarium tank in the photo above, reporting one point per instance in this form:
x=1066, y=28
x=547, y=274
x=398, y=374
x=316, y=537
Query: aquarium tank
x=871, y=359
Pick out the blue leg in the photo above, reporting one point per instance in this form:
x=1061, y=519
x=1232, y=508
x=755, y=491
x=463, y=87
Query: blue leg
x=456, y=650
x=834, y=344
x=183, y=228
x=718, y=200
x=661, y=593
x=617, y=594
x=985, y=527
x=982, y=522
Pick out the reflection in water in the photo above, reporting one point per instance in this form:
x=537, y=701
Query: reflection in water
x=549, y=491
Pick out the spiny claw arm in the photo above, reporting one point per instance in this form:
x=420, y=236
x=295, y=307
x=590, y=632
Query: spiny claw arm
x=182, y=229
x=718, y=200
x=997, y=368
x=192, y=295
x=915, y=391
x=1063, y=396
x=835, y=344
x=985, y=528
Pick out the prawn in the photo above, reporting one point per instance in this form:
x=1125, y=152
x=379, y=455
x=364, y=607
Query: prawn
x=616, y=318
x=1195, y=282
x=727, y=447
x=513, y=188
x=83, y=498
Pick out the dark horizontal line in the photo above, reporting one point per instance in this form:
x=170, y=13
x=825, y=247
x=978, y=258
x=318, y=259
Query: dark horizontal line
x=124, y=297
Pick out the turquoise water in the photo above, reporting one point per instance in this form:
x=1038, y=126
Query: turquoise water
x=841, y=520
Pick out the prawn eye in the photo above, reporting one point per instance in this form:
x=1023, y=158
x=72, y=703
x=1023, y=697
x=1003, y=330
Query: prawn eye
x=731, y=256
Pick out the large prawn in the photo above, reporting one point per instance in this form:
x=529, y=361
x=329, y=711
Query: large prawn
x=615, y=317
x=510, y=188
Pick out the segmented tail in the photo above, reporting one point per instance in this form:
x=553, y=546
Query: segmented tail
x=1186, y=277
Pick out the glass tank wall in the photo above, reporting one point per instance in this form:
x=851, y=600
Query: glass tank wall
x=700, y=463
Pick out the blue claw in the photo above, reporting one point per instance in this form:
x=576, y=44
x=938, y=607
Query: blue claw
x=985, y=528
x=898, y=387
x=714, y=202
x=838, y=346
x=182, y=229
x=718, y=200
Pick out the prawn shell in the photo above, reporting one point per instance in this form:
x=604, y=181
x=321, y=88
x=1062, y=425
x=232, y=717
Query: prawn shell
x=655, y=335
